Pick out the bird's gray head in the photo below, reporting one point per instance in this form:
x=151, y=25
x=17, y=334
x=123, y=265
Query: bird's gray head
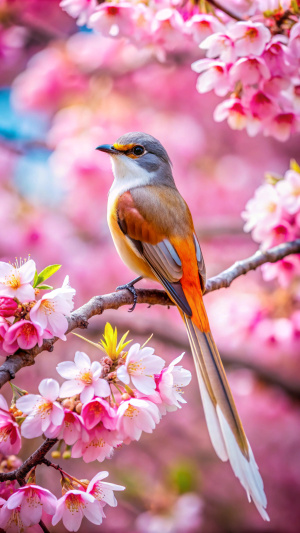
x=139, y=156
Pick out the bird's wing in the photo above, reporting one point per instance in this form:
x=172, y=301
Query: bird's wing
x=154, y=246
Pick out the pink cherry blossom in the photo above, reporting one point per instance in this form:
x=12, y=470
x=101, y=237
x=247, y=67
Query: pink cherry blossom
x=4, y=325
x=113, y=19
x=10, y=519
x=98, y=410
x=51, y=310
x=72, y=427
x=25, y=335
x=8, y=306
x=167, y=28
x=10, y=438
x=234, y=111
x=202, y=25
x=213, y=75
x=261, y=106
x=103, y=491
x=80, y=9
x=219, y=45
x=249, y=70
x=31, y=501
x=134, y=416
x=249, y=38
x=16, y=282
x=96, y=444
x=278, y=234
x=282, y=125
x=289, y=191
x=140, y=366
x=73, y=506
x=284, y=271
x=170, y=384
x=263, y=212
x=42, y=410
x=84, y=378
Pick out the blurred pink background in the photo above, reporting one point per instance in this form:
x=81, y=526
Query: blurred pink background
x=63, y=93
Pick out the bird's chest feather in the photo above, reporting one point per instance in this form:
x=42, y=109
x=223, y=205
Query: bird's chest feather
x=125, y=249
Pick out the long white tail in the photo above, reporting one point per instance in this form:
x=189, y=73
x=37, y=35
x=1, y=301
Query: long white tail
x=223, y=422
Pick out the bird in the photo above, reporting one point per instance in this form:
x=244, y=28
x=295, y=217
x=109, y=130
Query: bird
x=153, y=232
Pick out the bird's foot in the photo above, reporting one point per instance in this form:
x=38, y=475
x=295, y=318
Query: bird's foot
x=130, y=287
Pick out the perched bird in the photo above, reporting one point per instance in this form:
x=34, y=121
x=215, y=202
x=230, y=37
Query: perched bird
x=153, y=231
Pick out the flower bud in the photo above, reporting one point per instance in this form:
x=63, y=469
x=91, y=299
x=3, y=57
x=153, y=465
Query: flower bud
x=66, y=454
x=126, y=396
x=69, y=403
x=55, y=454
x=78, y=408
x=8, y=306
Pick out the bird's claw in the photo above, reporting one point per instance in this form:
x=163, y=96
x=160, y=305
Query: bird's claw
x=130, y=287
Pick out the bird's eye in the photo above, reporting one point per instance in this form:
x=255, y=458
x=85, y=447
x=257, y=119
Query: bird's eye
x=138, y=150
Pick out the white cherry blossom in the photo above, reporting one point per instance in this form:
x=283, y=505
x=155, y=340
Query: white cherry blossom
x=51, y=310
x=84, y=378
x=43, y=410
x=16, y=281
x=140, y=367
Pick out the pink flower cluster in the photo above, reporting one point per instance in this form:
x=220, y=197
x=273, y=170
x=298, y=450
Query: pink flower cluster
x=260, y=73
x=167, y=24
x=273, y=216
x=86, y=414
x=100, y=406
x=25, y=321
x=28, y=504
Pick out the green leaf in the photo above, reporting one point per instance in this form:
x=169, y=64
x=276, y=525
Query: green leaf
x=44, y=287
x=35, y=279
x=294, y=166
x=47, y=273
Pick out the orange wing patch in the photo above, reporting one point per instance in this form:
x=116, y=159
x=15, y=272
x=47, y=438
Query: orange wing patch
x=190, y=281
x=133, y=224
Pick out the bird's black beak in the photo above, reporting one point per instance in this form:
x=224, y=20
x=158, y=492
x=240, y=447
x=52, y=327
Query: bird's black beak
x=108, y=148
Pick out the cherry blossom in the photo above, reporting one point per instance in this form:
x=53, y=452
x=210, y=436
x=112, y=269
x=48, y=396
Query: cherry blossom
x=102, y=490
x=213, y=75
x=140, y=366
x=113, y=19
x=84, y=378
x=31, y=500
x=4, y=325
x=96, y=444
x=134, y=416
x=73, y=506
x=10, y=438
x=25, y=335
x=72, y=427
x=98, y=410
x=80, y=9
x=202, y=25
x=8, y=306
x=16, y=281
x=170, y=384
x=51, y=310
x=42, y=410
x=249, y=38
x=10, y=519
x=289, y=191
x=262, y=212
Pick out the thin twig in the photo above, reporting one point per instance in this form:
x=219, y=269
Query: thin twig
x=98, y=304
x=228, y=12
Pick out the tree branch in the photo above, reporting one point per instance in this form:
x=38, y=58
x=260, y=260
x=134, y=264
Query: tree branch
x=35, y=459
x=98, y=304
